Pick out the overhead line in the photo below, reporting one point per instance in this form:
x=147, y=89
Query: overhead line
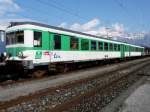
x=61, y=9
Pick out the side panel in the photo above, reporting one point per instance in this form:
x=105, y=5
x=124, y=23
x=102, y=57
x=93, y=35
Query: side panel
x=65, y=43
x=45, y=41
x=28, y=38
x=51, y=41
x=136, y=54
x=59, y=56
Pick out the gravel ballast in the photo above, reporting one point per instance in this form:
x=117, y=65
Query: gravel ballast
x=57, y=97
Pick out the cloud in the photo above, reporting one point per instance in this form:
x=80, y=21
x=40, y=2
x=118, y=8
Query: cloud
x=91, y=24
x=3, y=26
x=76, y=26
x=8, y=6
x=63, y=25
x=87, y=26
x=4, y=23
x=94, y=27
x=118, y=27
x=115, y=31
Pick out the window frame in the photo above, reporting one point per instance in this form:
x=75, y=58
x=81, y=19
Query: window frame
x=40, y=45
x=111, y=47
x=93, y=45
x=118, y=47
x=87, y=42
x=76, y=41
x=101, y=46
x=106, y=45
x=17, y=42
x=60, y=42
x=115, y=47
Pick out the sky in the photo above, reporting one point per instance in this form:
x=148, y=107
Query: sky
x=91, y=16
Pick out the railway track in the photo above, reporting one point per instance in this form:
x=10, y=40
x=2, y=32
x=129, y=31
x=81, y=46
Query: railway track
x=75, y=95
x=6, y=78
x=106, y=86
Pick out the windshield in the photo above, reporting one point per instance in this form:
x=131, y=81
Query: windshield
x=15, y=38
x=2, y=36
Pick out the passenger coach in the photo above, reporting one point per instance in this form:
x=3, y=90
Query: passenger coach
x=34, y=44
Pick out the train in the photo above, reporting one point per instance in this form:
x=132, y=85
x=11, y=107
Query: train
x=32, y=44
x=2, y=45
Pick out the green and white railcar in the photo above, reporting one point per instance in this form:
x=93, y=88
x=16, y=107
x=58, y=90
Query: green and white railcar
x=36, y=44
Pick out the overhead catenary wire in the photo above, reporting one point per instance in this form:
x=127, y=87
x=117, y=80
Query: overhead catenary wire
x=124, y=8
x=27, y=8
x=62, y=9
x=67, y=10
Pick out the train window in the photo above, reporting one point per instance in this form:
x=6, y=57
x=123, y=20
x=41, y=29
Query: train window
x=74, y=43
x=105, y=46
x=57, y=41
x=20, y=36
x=84, y=44
x=111, y=47
x=133, y=48
x=130, y=48
x=37, y=39
x=136, y=49
x=93, y=45
x=10, y=38
x=125, y=48
x=115, y=47
x=2, y=36
x=118, y=47
x=15, y=37
x=100, y=46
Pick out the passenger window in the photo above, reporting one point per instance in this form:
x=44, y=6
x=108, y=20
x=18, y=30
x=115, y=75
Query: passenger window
x=125, y=48
x=106, y=46
x=130, y=48
x=15, y=38
x=118, y=47
x=37, y=39
x=20, y=36
x=57, y=41
x=93, y=45
x=115, y=47
x=74, y=43
x=10, y=40
x=100, y=46
x=84, y=44
x=111, y=47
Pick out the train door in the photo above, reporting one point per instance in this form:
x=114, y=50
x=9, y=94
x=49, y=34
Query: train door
x=50, y=45
x=122, y=51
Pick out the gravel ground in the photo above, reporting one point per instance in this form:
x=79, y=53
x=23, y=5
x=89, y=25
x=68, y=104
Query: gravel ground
x=117, y=103
x=99, y=100
x=139, y=101
x=59, y=96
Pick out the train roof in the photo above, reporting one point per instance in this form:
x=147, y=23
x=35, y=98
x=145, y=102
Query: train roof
x=2, y=30
x=63, y=29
